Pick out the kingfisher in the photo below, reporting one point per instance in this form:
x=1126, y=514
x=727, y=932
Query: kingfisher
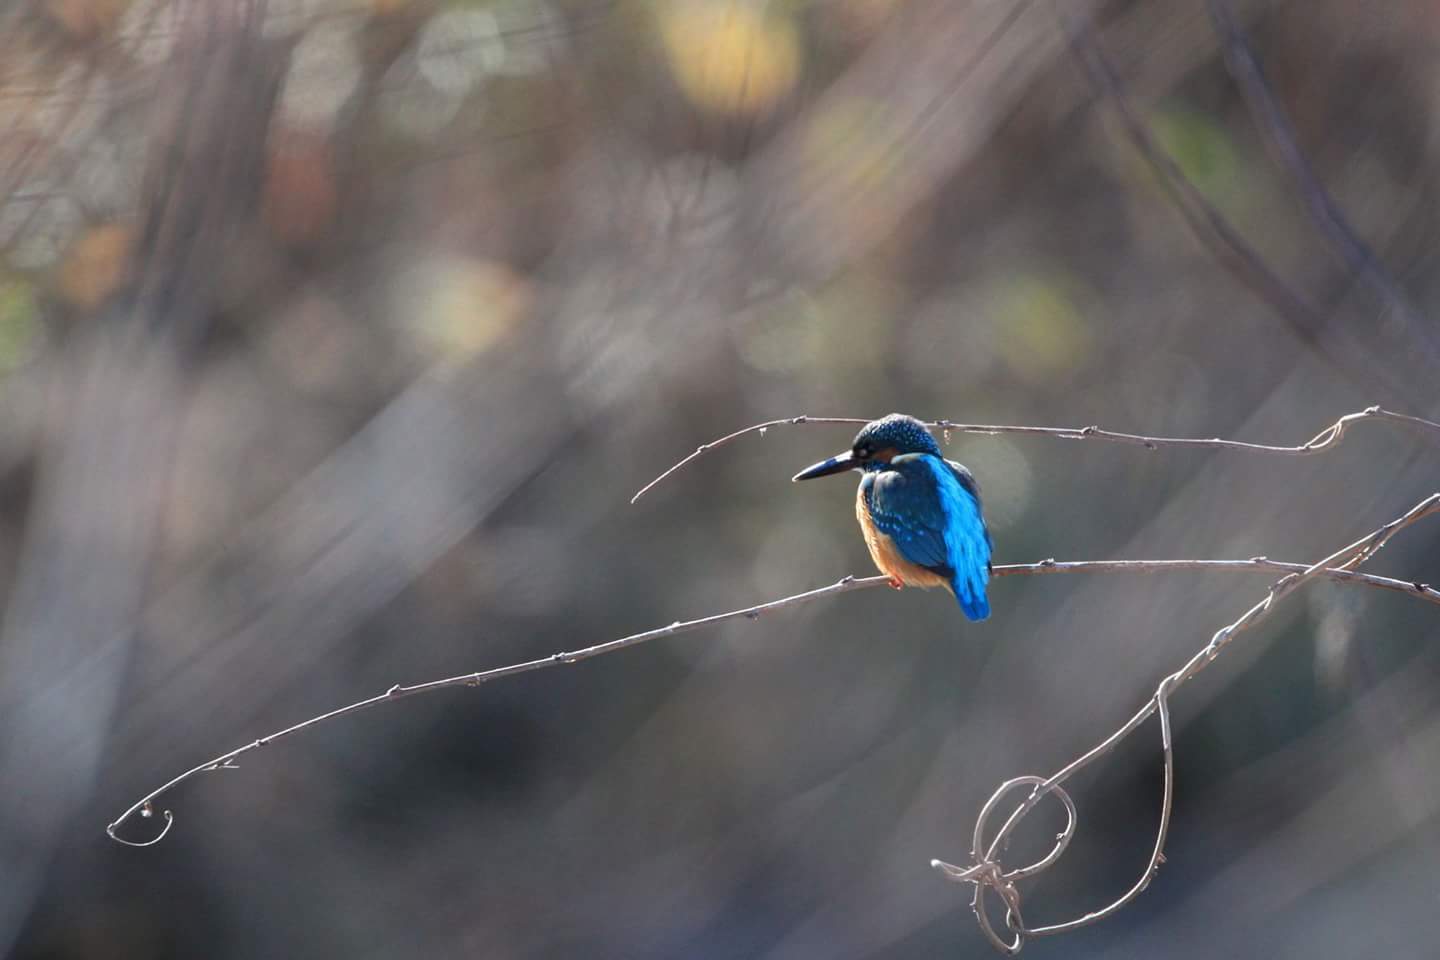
x=919, y=512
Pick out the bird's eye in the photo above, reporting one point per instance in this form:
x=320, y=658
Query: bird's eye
x=862, y=451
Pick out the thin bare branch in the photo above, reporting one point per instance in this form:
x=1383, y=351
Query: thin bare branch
x=1274, y=122
x=1322, y=441
x=1211, y=227
x=144, y=807
x=986, y=873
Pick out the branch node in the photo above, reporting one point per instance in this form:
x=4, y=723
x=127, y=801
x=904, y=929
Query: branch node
x=394, y=691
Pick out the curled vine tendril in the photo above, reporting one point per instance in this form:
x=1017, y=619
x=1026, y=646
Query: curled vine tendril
x=145, y=811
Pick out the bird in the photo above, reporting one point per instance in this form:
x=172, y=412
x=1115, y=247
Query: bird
x=920, y=513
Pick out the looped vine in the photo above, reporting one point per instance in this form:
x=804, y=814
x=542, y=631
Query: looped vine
x=986, y=872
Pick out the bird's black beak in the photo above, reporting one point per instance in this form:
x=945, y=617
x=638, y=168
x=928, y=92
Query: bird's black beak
x=845, y=461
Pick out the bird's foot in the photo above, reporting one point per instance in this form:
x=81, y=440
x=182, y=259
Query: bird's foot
x=897, y=584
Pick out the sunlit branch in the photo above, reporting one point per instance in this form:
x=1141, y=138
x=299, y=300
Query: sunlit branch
x=144, y=807
x=1274, y=122
x=1322, y=441
x=985, y=871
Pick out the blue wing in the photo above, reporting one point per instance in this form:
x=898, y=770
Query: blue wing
x=931, y=508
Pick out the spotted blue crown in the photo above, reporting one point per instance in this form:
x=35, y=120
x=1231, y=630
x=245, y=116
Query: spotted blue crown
x=905, y=434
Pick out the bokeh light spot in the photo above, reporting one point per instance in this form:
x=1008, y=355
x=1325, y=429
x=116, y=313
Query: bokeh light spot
x=20, y=327
x=1201, y=149
x=324, y=71
x=1042, y=332
x=1003, y=471
x=456, y=307
x=457, y=48
x=787, y=336
x=95, y=265
x=730, y=57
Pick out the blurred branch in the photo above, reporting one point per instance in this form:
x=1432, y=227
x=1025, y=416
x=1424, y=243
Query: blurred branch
x=927, y=68
x=1273, y=121
x=1222, y=238
x=144, y=807
x=1322, y=441
x=986, y=871
x=116, y=394
x=1209, y=225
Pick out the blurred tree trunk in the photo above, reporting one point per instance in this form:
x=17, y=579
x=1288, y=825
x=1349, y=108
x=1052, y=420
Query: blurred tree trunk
x=115, y=400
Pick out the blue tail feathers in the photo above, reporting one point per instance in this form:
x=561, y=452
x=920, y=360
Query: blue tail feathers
x=968, y=543
x=970, y=592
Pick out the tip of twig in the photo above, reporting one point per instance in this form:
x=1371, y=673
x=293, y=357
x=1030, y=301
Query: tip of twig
x=146, y=811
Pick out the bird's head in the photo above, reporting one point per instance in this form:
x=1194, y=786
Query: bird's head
x=877, y=443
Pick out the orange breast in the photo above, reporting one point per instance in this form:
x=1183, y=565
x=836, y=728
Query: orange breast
x=887, y=555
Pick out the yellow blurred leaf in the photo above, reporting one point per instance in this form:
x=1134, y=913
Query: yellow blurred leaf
x=458, y=307
x=95, y=265
x=728, y=56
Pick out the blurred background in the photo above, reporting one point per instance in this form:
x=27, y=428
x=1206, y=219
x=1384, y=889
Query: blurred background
x=335, y=336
